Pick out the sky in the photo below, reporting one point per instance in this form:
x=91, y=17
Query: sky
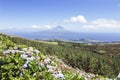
x=75, y=15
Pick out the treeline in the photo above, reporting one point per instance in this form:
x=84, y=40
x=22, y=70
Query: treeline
x=76, y=56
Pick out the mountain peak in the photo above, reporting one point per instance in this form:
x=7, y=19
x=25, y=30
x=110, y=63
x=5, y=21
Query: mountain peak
x=58, y=28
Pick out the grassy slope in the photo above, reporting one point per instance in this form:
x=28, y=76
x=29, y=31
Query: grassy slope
x=59, y=49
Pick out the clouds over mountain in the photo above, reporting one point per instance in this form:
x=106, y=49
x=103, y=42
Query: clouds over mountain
x=82, y=24
x=41, y=27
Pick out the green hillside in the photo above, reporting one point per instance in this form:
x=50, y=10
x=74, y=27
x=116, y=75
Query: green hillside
x=22, y=59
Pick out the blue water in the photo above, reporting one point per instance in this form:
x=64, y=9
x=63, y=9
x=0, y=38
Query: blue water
x=107, y=37
x=101, y=36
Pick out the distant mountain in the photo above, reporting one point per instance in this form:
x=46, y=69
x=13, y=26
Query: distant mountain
x=61, y=33
x=58, y=28
x=57, y=32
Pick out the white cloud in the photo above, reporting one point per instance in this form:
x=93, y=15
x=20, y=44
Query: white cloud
x=103, y=24
x=106, y=23
x=79, y=18
x=41, y=27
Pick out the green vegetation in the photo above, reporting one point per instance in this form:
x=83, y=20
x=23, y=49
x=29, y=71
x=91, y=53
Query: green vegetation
x=20, y=62
x=86, y=58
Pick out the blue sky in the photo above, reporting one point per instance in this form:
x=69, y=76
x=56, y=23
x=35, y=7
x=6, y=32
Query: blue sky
x=74, y=15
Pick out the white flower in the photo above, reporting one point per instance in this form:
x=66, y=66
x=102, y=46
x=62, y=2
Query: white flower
x=25, y=65
x=21, y=73
x=59, y=75
x=7, y=51
x=36, y=51
x=37, y=58
x=24, y=56
x=12, y=51
x=47, y=60
x=92, y=75
x=18, y=51
x=51, y=68
x=30, y=58
x=4, y=52
x=15, y=48
x=29, y=53
x=41, y=64
x=24, y=49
